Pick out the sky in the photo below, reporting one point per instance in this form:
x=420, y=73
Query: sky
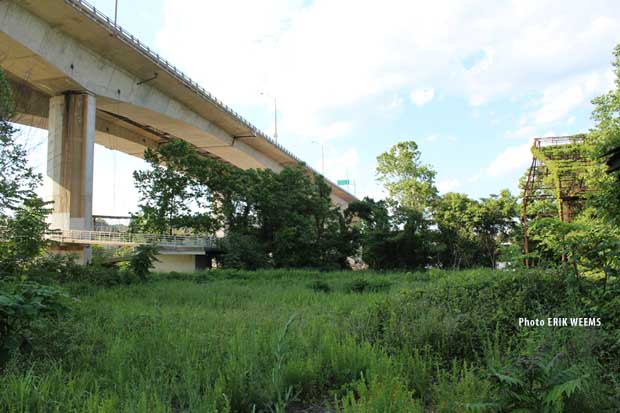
x=472, y=82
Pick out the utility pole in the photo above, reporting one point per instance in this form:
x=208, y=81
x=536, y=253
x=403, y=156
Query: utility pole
x=115, y=11
x=322, y=157
x=275, y=114
x=275, y=118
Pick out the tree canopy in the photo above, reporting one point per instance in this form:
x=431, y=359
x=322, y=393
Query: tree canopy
x=270, y=219
x=22, y=212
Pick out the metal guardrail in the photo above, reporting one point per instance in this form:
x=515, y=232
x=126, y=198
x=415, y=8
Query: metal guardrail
x=558, y=140
x=128, y=238
x=115, y=29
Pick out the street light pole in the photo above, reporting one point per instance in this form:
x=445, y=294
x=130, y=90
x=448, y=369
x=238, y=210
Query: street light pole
x=115, y=11
x=322, y=157
x=275, y=119
x=275, y=115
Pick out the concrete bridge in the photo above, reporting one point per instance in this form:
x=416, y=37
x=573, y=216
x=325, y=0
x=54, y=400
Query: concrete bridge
x=86, y=80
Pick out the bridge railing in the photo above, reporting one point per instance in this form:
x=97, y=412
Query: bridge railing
x=558, y=140
x=129, y=238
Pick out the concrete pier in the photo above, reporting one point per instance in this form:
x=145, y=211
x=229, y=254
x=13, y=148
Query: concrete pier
x=70, y=152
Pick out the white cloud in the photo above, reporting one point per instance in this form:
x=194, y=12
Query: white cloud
x=342, y=165
x=319, y=56
x=558, y=103
x=447, y=185
x=421, y=97
x=513, y=158
x=559, y=99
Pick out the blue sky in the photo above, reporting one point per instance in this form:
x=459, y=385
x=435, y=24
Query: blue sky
x=471, y=82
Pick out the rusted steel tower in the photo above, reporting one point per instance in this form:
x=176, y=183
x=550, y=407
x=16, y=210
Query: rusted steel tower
x=557, y=174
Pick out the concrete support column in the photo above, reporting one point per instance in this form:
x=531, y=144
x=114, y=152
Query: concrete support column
x=70, y=152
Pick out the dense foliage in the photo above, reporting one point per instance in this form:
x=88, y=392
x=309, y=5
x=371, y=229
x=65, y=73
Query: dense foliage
x=22, y=212
x=606, y=136
x=418, y=228
x=143, y=260
x=23, y=306
x=270, y=219
x=587, y=242
x=286, y=220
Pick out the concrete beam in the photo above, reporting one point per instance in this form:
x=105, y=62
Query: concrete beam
x=56, y=55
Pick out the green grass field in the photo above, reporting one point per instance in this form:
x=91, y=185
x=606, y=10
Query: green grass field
x=304, y=341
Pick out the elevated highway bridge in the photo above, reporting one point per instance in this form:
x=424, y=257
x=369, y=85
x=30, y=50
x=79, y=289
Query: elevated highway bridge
x=86, y=80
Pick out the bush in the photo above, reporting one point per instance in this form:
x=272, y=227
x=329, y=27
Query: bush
x=320, y=286
x=546, y=381
x=142, y=260
x=361, y=286
x=64, y=269
x=20, y=306
x=58, y=267
x=243, y=251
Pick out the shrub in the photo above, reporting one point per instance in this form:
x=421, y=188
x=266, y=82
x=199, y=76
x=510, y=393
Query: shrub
x=379, y=285
x=59, y=267
x=142, y=260
x=544, y=382
x=320, y=286
x=20, y=306
x=243, y=251
x=203, y=277
x=64, y=269
x=359, y=286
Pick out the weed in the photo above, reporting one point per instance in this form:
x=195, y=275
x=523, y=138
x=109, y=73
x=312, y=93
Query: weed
x=320, y=286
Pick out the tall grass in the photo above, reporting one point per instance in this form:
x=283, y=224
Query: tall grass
x=229, y=341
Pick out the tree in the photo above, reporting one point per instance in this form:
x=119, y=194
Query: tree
x=23, y=235
x=593, y=245
x=452, y=213
x=18, y=181
x=604, y=137
x=398, y=240
x=590, y=242
x=494, y=218
x=143, y=259
x=282, y=219
x=22, y=212
x=163, y=195
x=172, y=199
x=410, y=184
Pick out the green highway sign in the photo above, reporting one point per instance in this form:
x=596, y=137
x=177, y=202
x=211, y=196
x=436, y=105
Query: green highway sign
x=343, y=182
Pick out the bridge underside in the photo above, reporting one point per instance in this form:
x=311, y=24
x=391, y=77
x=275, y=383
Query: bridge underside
x=87, y=81
x=52, y=47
